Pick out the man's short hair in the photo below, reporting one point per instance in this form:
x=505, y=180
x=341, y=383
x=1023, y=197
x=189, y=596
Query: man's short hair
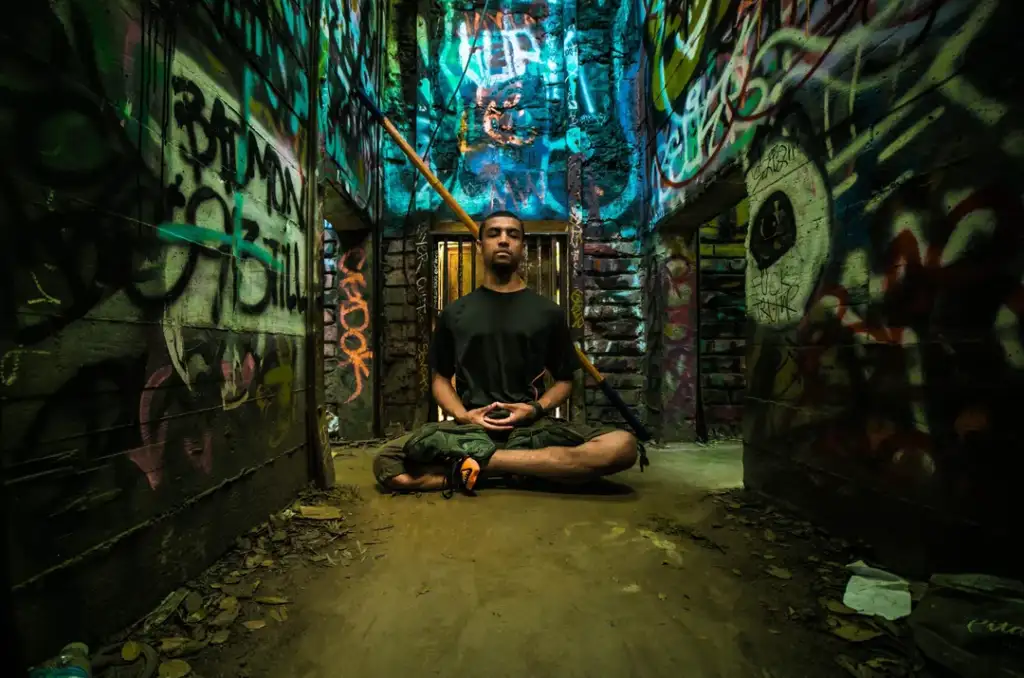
x=501, y=213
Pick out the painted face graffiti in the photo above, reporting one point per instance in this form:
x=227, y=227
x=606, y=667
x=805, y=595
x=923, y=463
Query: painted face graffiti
x=788, y=240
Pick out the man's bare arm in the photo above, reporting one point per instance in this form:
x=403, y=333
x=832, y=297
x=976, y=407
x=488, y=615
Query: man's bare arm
x=556, y=395
x=446, y=397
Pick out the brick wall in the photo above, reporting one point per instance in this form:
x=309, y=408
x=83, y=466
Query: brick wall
x=723, y=334
x=405, y=380
x=614, y=328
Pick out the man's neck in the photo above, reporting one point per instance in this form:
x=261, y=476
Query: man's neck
x=503, y=283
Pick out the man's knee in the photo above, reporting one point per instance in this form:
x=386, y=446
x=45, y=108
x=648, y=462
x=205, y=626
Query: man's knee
x=388, y=464
x=403, y=482
x=619, y=450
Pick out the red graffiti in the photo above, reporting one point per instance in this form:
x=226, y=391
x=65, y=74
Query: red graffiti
x=919, y=272
x=354, y=319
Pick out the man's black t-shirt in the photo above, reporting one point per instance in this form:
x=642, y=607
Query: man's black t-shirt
x=498, y=344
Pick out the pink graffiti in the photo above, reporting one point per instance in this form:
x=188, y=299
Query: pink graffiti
x=237, y=381
x=680, y=363
x=149, y=457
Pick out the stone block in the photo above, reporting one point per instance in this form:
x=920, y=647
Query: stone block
x=622, y=329
x=613, y=265
x=612, y=313
x=612, y=248
x=613, y=282
x=613, y=297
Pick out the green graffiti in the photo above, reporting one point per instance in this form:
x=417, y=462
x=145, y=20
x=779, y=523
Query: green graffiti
x=198, y=235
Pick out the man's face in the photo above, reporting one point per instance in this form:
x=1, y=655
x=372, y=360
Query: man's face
x=501, y=243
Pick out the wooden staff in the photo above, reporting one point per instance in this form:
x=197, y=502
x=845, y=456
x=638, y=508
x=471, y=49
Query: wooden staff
x=613, y=396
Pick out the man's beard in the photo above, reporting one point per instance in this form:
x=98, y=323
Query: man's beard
x=504, y=269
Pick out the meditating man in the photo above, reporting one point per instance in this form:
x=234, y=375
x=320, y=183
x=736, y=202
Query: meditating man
x=498, y=341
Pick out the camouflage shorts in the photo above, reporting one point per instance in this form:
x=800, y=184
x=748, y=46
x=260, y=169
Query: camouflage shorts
x=437, y=443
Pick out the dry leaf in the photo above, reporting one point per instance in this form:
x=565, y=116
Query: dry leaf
x=193, y=602
x=780, y=572
x=736, y=571
x=174, y=668
x=271, y=600
x=220, y=637
x=165, y=609
x=854, y=669
x=253, y=560
x=851, y=632
x=225, y=618
x=228, y=603
x=769, y=535
x=320, y=512
x=267, y=563
x=243, y=590
x=131, y=650
x=196, y=617
x=254, y=624
x=279, y=613
x=172, y=644
x=836, y=606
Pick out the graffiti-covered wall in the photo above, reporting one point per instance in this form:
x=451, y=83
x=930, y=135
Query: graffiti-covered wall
x=348, y=333
x=881, y=147
x=158, y=275
x=533, y=106
x=493, y=94
x=352, y=57
x=672, y=367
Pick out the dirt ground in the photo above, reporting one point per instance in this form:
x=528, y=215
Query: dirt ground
x=663, y=573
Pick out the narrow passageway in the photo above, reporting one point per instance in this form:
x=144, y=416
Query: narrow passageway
x=236, y=235
x=609, y=582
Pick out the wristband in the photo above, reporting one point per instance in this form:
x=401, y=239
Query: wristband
x=538, y=410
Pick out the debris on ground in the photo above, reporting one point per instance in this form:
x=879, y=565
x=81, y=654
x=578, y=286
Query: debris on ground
x=799, y=573
x=342, y=447
x=240, y=595
x=672, y=528
x=319, y=512
x=174, y=668
x=972, y=625
x=873, y=591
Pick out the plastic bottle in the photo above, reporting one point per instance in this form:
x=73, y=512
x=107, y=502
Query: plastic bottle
x=72, y=662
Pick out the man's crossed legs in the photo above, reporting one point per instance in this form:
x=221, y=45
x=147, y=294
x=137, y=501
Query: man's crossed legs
x=450, y=456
